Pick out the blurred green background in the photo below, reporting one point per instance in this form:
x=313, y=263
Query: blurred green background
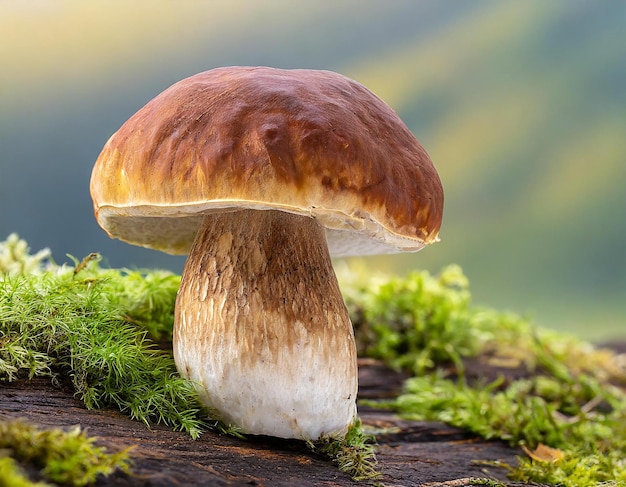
x=520, y=103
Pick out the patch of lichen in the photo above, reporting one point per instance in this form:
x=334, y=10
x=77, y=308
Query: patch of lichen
x=59, y=457
x=552, y=390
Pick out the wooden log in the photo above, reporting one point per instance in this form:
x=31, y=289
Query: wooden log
x=410, y=453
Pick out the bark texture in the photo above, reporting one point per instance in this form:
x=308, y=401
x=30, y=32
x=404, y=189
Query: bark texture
x=410, y=453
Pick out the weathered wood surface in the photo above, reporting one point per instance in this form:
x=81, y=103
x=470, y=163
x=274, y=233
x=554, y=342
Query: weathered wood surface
x=410, y=453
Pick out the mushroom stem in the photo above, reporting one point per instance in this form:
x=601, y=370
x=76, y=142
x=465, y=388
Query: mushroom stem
x=262, y=329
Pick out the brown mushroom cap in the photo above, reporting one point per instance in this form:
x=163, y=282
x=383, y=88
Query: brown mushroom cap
x=304, y=141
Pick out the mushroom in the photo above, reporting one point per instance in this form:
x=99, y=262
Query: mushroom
x=261, y=175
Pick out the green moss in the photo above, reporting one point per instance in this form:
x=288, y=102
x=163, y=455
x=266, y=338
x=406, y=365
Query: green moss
x=91, y=327
x=559, y=391
x=16, y=259
x=97, y=328
x=413, y=323
x=12, y=475
x=353, y=454
x=64, y=457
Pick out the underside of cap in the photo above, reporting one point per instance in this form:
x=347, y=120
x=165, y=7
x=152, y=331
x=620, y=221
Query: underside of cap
x=173, y=229
x=308, y=142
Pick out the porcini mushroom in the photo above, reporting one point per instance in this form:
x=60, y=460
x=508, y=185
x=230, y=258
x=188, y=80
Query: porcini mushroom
x=260, y=175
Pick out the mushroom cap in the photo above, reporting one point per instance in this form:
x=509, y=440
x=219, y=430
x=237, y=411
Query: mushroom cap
x=308, y=142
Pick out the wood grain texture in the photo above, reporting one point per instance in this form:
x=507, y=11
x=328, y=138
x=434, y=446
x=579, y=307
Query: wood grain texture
x=410, y=453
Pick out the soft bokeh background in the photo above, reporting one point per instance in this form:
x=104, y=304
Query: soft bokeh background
x=521, y=104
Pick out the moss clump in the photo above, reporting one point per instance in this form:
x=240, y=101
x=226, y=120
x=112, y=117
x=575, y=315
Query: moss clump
x=64, y=457
x=353, y=454
x=554, y=390
x=97, y=328
x=12, y=475
x=91, y=326
x=413, y=323
x=15, y=257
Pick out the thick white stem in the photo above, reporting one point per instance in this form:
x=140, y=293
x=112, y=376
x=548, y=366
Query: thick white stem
x=261, y=326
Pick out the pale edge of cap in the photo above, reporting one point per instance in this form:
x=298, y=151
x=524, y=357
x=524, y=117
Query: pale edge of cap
x=172, y=228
